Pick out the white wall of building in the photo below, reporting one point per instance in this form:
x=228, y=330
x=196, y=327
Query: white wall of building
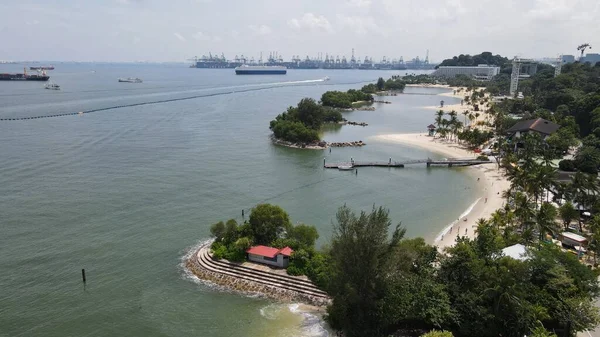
x=281, y=261
x=482, y=72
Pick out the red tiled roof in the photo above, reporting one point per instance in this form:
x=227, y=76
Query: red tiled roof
x=287, y=251
x=269, y=251
x=263, y=251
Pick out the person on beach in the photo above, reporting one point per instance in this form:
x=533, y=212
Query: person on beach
x=486, y=200
x=466, y=229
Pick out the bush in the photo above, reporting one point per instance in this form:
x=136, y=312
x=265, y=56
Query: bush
x=567, y=165
x=218, y=250
x=294, y=271
x=483, y=157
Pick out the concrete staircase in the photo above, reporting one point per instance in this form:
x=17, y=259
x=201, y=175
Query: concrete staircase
x=284, y=282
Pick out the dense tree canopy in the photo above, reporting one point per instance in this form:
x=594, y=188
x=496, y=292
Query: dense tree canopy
x=344, y=100
x=475, y=60
x=301, y=124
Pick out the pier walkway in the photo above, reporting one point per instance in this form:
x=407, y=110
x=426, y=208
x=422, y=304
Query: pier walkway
x=429, y=162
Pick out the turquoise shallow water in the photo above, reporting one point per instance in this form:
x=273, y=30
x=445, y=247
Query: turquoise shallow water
x=124, y=193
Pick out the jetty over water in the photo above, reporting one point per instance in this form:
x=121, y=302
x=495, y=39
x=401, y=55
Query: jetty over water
x=428, y=162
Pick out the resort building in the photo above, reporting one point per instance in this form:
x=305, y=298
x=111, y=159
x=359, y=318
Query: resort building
x=539, y=125
x=269, y=255
x=569, y=239
x=591, y=58
x=482, y=72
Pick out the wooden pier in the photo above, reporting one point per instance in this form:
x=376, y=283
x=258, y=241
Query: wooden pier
x=390, y=163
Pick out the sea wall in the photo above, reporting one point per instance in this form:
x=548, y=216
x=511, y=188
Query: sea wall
x=246, y=286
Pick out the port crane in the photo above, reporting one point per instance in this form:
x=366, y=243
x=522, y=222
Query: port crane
x=582, y=48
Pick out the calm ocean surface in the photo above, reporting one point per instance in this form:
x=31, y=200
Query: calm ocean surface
x=125, y=193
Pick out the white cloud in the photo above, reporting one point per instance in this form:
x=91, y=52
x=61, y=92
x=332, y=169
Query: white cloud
x=311, y=22
x=200, y=36
x=359, y=3
x=360, y=25
x=260, y=29
x=179, y=37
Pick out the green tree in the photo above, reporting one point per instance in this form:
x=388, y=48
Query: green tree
x=305, y=235
x=310, y=113
x=380, y=84
x=268, y=222
x=568, y=213
x=359, y=251
x=218, y=230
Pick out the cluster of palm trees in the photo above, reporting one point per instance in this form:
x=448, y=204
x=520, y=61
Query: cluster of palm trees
x=529, y=214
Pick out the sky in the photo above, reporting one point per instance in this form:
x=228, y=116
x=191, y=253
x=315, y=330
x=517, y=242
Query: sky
x=176, y=30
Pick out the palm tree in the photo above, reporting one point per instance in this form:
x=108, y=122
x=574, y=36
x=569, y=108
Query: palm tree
x=545, y=219
x=439, y=116
x=567, y=213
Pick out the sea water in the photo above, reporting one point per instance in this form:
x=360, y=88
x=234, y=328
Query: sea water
x=127, y=192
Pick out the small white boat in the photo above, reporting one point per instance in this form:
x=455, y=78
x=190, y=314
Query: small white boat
x=130, y=80
x=326, y=78
x=347, y=167
x=52, y=86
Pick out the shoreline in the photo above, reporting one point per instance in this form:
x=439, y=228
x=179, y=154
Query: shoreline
x=488, y=199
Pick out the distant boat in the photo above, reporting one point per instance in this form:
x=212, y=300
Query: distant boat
x=131, y=80
x=326, y=78
x=245, y=69
x=52, y=86
x=345, y=167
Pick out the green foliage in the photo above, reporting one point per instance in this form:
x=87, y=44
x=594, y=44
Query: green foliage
x=305, y=235
x=295, y=132
x=475, y=60
x=332, y=116
x=344, y=100
x=588, y=159
x=218, y=230
x=369, y=88
x=380, y=84
x=301, y=124
x=436, y=333
x=483, y=157
x=568, y=213
x=267, y=223
x=219, y=250
x=567, y=165
x=394, y=84
x=379, y=282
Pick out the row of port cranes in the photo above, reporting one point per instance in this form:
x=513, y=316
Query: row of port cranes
x=321, y=61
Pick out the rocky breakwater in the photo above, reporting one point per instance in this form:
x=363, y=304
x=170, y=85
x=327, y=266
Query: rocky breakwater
x=243, y=279
x=384, y=102
x=365, y=108
x=348, y=144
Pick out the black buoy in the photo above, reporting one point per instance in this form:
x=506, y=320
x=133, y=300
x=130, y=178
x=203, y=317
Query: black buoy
x=242, y=213
x=83, y=275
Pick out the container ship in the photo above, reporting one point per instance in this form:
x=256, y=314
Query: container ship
x=24, y=77
x=260, y=70
x=42, y=68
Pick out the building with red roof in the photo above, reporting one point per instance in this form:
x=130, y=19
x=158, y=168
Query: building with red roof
x=269, y=255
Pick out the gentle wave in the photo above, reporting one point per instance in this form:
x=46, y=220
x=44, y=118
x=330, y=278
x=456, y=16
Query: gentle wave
x=462, y=215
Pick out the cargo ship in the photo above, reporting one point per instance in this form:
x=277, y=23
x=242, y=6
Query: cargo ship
x=24, y=76
x=42, y=68
x=260, y=70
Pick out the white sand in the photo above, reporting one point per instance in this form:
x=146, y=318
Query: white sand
x=492, y=180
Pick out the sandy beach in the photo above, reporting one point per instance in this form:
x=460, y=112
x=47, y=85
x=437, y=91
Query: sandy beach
x=488, y=198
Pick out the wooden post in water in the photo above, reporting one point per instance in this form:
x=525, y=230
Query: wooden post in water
x=83, y=275
x=323, y=162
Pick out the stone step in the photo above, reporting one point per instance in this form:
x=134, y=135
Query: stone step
x=232, y=265
x=207, y=263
